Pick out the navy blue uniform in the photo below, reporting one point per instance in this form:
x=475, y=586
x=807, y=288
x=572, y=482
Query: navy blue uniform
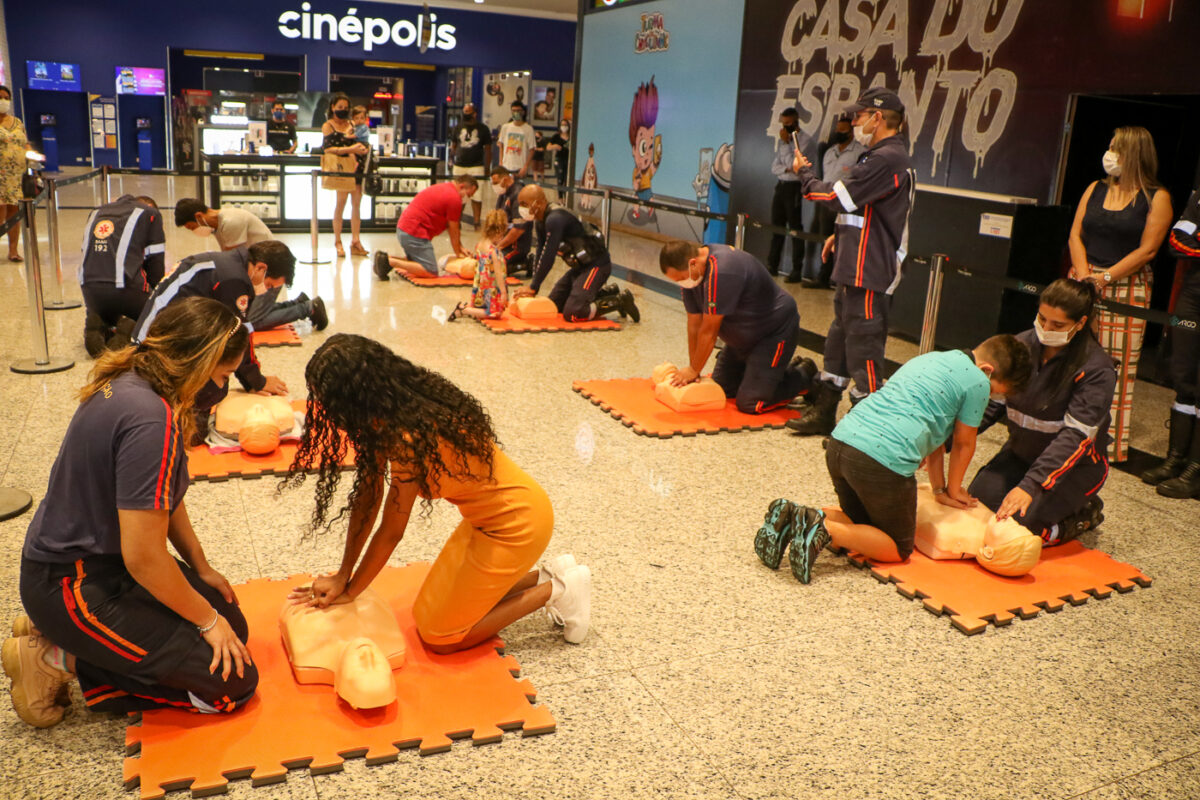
x=1056, y=440
x=760, y=326
x=873, y=204
x=122, y=450
x=575, y=292
x=516, y=255
x=123, y=255
x=1185, y=349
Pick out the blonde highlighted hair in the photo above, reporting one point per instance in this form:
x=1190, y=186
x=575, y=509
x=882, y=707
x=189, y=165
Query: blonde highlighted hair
x=1139, y=160
x=187, y=341
x=495, y=224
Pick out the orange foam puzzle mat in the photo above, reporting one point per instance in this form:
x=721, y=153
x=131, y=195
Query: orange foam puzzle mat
x=512, y=324
x=632, y=401
x=205, y=465
x=472, y=694
x=973, y=598
x=445, y=280
x=283, y=336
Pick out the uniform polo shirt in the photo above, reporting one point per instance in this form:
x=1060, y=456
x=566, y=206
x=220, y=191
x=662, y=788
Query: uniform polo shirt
x=737, y=287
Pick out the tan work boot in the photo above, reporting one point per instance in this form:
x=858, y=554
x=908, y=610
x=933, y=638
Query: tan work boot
x=23, y=626
x=36, y=686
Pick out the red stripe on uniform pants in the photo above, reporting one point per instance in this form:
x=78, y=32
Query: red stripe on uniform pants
x=69, y=602
x=778, y=353
x=1053, y=477
x=116, y=693
x=871, y=385
x=91, y=692
x=1096, y=488
x=868, y=305
x=92, y=619
x=591, y=277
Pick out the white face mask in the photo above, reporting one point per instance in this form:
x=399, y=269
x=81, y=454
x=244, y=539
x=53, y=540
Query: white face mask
x=1051, y=338
x=1112, y=163
x=525, y=213
x=202, y=231
x=689, y=282
x=5, y=106
x=564, y=130
x=861, y=136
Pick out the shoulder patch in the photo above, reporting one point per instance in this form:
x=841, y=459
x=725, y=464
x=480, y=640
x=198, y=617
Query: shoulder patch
x=243, y=303
x=104, y=229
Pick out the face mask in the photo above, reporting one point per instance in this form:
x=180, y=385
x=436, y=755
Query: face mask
x=790, y=127
x=469, y=118
x=861, y=136
x=997, y=397
x=202, y=231
x=518, y=116
x=564, y=130
x=1112, y=163
x=841, y=137
x=525, y=213
x=5, y=106
x=342, y=113
x=690, y=283
x=1051, y=338
x=277, y=115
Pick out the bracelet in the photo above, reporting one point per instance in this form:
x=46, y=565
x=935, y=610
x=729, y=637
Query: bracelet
x=206, y=628
x=941, y=490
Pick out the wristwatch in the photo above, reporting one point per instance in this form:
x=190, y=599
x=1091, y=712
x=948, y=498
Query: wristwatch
x=1107, y=277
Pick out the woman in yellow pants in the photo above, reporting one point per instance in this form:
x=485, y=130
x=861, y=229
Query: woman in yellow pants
x=439, y=443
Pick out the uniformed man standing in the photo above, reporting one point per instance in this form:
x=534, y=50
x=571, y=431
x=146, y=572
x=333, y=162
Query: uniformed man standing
x=229, y=277
x=729, y=295
x=872, y=204
x=123, y=252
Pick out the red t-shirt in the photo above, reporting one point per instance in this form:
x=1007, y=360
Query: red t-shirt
x=426, y=216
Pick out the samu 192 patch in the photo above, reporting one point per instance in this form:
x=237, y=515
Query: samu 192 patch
x=243, y=303
x=104, y=229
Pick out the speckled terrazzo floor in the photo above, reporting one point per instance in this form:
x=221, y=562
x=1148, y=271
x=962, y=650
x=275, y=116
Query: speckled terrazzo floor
x=705, y=675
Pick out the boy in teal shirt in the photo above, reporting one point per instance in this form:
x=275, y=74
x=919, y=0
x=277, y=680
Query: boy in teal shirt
x=876, y=449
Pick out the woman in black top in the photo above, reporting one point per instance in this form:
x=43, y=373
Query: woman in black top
x=107, y=603
x=560, y=145
x=340, y=149
x=1119, y=225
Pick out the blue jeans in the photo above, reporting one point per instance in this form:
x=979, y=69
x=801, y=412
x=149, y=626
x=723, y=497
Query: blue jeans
x=418, y=250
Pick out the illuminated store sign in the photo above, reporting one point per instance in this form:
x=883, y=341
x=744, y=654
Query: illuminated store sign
x=370, y=32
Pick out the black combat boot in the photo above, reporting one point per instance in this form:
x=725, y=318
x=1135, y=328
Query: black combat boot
x=821, y=415
x=1186, y=483
x=1177, y=445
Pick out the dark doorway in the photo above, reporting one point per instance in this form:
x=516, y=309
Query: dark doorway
x=1171, y=120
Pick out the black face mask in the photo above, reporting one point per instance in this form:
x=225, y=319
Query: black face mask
x=841, y=137
x=469, y=118
x=791, y=127
x=342, y=113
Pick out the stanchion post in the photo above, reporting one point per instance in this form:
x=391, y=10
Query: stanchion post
x=105, y=191
x=739, y=232
x=313, y=225
x=41, y=361
x=933, y=301
x=606, y=215
x=58, y=302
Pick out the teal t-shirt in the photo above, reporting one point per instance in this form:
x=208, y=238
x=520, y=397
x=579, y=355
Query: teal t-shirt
x=915, y=411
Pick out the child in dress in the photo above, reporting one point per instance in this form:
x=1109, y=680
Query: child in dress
x=489, y=294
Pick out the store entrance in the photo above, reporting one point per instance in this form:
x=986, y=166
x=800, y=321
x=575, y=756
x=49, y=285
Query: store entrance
x=1171, y=120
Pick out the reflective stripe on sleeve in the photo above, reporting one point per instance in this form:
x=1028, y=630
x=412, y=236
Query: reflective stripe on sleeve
x=1033, y=423
x=843, y=194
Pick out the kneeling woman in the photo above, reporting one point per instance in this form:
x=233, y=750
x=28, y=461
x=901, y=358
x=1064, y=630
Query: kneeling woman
x=107, y=603
x=1050, y=470
x=439, y=443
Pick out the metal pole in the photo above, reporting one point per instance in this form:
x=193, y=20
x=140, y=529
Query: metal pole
x=57, y=303
x=606, y=215
x=313, y=224
x=41, y=361
x=739, y=233
x=933, y=302
x=104, y=190
x=198, y=157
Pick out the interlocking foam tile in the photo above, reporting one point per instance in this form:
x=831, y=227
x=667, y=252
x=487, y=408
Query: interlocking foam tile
x=205, y=465
x=632, y=401
x=474, y=693
x=973, y=597
x=445, y=280
x=283, y=336
x=511, y=324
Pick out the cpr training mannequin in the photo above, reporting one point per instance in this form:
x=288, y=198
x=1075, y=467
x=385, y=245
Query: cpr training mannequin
x=533, y=308
x=700, y=395
x=463, y=267
x=944, y=533
x=354, y=646
x=255, y=421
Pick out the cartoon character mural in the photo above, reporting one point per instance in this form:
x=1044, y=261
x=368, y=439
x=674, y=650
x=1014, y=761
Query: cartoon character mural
x=720, y=176
x=589, y=180
x=647, y=146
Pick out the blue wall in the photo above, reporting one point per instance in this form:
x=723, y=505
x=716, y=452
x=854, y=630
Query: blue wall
x=101, y=35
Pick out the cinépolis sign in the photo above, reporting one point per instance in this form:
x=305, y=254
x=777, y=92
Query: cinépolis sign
x=369, y=32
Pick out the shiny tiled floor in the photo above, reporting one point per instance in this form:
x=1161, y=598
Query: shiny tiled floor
x=705, y=674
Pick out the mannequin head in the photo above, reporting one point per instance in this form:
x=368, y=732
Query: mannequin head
x=259, y=433
x=364, y=677
x=1008, y=548
x=257, y=422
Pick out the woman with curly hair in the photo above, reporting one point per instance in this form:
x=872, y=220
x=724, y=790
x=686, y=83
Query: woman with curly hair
x=437, y=442
x=107, y=602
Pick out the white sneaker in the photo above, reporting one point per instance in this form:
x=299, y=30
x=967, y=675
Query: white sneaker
x=555, y=568
x=571, y=605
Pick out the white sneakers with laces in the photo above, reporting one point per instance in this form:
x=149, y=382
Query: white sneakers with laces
x=570, y=604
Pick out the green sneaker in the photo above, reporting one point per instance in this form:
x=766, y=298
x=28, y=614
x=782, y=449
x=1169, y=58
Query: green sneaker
x=810, y=539
x=775, y=533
